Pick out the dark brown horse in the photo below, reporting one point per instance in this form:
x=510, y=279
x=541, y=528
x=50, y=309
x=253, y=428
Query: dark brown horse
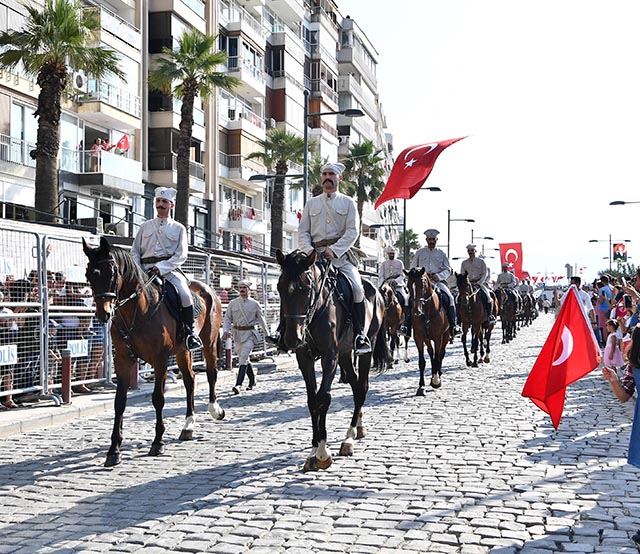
x=430, y=325
x=508, y=310
x=142, y=327
x=473, y=315
x=393, y=318
x=317, y=324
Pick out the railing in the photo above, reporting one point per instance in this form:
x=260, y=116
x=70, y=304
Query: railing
x=169, y=162
x=100, y=161
x=102, y=91
x=119, y=28
x=236, y=213
x=236, y=63
x=230, y=12
x=318, y=85
x=195, y=6
x=16, y=151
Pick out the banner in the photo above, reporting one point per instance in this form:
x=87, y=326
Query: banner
x=620, y=253
x=511, y=253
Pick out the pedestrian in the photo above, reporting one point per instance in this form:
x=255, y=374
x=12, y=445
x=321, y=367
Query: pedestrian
x=240, y=320
x=160, y=247
x=624, y=388
x=612, y=351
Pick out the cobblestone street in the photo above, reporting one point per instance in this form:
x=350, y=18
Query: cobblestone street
x=470, y=468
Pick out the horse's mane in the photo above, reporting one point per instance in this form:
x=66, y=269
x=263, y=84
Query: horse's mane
x=462, y=278
x=129, y=269
x=294, y=265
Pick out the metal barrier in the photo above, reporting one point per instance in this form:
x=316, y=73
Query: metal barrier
x=48, y=308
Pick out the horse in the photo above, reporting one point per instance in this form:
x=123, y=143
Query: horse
x=474, y=316
x=143, y=327
x=430, y=325
x=508, y=310
x=393, y=318
x=317, y=324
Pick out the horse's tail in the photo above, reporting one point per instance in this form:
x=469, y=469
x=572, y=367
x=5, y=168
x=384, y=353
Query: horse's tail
x=382, y=359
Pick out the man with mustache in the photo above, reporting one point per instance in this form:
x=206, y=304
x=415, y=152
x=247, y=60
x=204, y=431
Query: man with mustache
x=330, y=225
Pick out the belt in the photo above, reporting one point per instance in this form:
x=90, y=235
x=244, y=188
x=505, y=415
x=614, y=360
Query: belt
x=244, y=327
x=154, y=259
x=322, y=243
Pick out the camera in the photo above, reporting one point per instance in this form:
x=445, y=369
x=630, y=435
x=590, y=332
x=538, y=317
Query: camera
x=627, y=301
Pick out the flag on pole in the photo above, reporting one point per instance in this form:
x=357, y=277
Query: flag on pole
x=411, y=169
x=511, y=253
x=123, y=143
x=569, y=353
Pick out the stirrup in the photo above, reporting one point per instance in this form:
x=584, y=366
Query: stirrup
x=362, y=345
x=402, y=330
x=193, y=342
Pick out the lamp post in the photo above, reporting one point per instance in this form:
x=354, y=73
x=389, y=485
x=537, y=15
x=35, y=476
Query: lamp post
x=351, y=112
x=610, y=246
x=480, y=238
x=449, y=220
x=622, y=203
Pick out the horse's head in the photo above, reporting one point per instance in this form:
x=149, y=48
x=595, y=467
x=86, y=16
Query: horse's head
x=418, y=282
x=298, y=288
x=102, y=275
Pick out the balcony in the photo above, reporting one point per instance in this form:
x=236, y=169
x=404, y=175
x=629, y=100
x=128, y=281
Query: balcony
x=16, y=151
x=236, y=167
x=238, y=20
x=329, y=96
x=107, y=172
x=119, y=33
x=110, y=106
x=167, y=115
x=191, y=11
x=253, y=80
x=244, y=220
x=244, y=120
x=163, y=171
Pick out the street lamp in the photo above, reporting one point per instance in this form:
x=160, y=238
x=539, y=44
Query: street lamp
x=622, y=203
x=351, y=112
x=610, y=246
x=449, y=220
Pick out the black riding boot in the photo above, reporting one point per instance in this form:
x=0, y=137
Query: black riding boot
x=451, y=313
x=361, y=342
x=251, y=375
x=488, y=305
x=405, y=328
x=278, y=337
x=192, y=340
x=241, y=371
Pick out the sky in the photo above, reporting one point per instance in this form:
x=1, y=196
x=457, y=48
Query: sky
x=547, y=95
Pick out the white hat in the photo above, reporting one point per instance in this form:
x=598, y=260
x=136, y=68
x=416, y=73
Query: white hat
x=166, y=193
x=245, y=283
x=432, y=233
x=335, y=167
x=391, y=250
x=471, y=246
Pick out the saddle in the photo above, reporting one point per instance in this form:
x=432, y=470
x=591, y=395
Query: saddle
x=171, y=298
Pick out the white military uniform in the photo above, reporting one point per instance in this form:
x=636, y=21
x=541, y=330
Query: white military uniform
x=476, y=268
x=332, y=222
x=507, y=280
x=392, y=269
x=240, y=320
x=162, y=242
x=435, y=262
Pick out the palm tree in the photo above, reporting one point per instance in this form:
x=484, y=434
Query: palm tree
x=53, y=39
x=193, y=65
x=278, y=149
x=363, y=175
x=413, y=244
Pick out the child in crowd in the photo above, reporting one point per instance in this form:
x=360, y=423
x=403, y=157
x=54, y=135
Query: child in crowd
x=613, y=349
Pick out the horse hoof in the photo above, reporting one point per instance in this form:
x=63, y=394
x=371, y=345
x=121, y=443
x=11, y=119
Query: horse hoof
x=323, y=464
x=436, y=383
x=420, y=391
x=361, y=432
x=486, y=360
x=186, y=435
x=469, y=363
x=112, y=460
x=395, y=361
x=156, y=450
x=474, y=364
x=310, y=464
x=346, y=449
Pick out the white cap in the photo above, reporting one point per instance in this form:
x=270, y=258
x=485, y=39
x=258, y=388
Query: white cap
x=391, y=250
x=167, y=193
x=432, y=233
x=245, y=283
x=471, y=246
x=335, y=167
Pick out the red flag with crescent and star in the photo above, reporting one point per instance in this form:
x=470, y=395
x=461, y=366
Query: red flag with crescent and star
x=569, y=353
x=411, y=169
x=511, y=253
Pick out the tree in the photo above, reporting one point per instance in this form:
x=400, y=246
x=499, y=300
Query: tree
x=413, y=244
x=193, y=66
x=278, y=149
x=53, y=40
x=363, y=175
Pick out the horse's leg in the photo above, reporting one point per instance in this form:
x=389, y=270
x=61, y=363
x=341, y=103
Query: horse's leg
x=183, y=359
x=126, y=370
x=474, y=346
x=211, y=359
x=465, y=329
x=421, y=365
x=157, y=398
x=434, y=354
x=359, y=386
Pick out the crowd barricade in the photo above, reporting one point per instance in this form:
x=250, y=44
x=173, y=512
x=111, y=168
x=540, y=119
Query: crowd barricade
x=39, y=319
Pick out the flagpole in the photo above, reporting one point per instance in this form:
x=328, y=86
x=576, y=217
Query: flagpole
x=404, y=235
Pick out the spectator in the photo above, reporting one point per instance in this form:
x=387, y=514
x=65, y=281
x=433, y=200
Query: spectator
x=8, y=336
x=603, y=308
x=613, y=352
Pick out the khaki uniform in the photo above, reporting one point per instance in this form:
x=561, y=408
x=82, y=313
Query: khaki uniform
x=240, y=319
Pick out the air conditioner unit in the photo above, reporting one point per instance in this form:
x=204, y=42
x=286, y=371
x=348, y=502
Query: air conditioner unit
x=95, y=222
x=80, y=82
x=119, y=229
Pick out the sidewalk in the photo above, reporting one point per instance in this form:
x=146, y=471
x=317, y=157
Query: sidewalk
x=44, y=413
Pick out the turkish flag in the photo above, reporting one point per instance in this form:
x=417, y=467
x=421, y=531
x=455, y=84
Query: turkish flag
x=570, y=353
x=123, y=143
x=511, y=253
x=411, y=169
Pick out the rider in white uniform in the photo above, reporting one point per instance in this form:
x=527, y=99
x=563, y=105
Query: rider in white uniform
x=476, y=269
x=160, y=247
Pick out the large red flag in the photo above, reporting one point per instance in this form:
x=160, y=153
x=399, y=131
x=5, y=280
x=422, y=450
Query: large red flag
x=511, y=253
x=569, y=353
x=123, y=143
x=411, y=169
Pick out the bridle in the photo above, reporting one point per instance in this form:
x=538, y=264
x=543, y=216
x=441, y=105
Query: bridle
x=114, y=291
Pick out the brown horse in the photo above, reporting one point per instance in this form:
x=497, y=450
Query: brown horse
x=317, y=324
x=430, y=325
x=508, y=310
x=142, y=327
x=393, y=318
x=473, y=315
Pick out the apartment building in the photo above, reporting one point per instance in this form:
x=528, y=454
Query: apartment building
x=278, y=50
